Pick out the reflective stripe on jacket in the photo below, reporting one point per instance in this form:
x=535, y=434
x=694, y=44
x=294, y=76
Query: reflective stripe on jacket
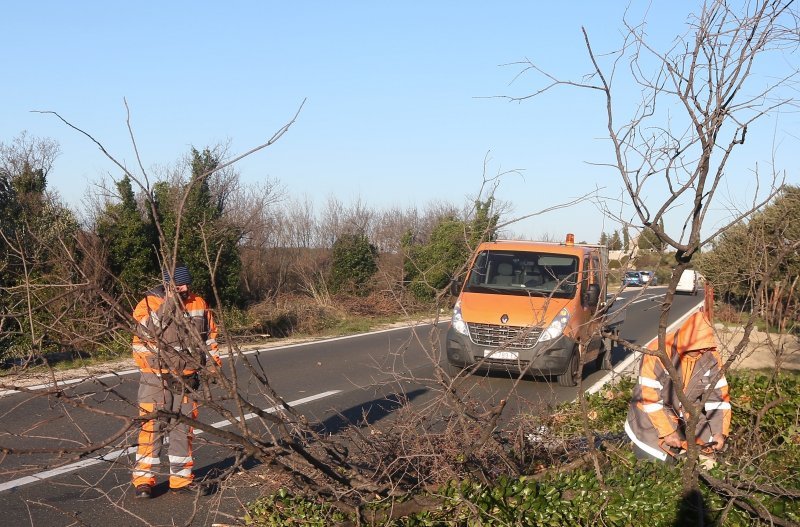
x=146, y=352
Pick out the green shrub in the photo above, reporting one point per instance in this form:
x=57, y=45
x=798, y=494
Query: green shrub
x=355, y=261
x=283, y=509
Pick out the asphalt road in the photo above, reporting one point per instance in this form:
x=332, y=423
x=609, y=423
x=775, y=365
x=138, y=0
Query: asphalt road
x=358, y=376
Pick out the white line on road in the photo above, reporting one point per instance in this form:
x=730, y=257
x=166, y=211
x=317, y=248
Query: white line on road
x=111, y=456
x=4, y=393
x=67, y=382
x=647, y=298
x=345, y=337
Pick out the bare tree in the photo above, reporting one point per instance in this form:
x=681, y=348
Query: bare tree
x=697, y=102
x=26, y=153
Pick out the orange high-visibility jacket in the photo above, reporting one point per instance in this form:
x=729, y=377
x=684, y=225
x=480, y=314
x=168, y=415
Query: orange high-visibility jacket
x=145, y=343
x=655, y=410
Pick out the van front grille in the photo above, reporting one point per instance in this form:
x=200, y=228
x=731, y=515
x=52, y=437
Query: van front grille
x=514, y=365
x=508, y=337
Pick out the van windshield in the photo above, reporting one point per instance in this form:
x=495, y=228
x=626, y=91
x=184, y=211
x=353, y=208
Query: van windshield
x=524, y=273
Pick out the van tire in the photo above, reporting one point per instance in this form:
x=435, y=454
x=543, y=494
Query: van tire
x=604, y=359
x=570, y=377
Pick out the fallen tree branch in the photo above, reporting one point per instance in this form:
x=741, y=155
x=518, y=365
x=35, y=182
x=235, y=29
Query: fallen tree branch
x=743, y=501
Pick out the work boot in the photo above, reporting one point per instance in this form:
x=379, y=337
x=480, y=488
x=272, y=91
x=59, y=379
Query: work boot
x=143, y=492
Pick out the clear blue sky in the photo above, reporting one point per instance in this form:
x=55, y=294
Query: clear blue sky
x=397, y=110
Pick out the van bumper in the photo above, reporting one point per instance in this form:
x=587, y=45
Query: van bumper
x=547, y=358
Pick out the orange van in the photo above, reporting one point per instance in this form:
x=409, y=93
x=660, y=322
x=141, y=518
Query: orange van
x=532, y=307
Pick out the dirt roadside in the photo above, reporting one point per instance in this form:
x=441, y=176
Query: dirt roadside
x=764, y=351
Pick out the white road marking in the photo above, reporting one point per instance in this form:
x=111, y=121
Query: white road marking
x=646, y=298
x=112, y=456
x=345, y=337
x=45, y=386
x=68, y=382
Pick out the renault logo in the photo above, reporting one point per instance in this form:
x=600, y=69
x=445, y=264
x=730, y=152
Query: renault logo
x=504, y=319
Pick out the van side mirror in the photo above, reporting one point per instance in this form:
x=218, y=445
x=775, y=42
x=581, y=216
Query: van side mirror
x=592, y=295
x=455, y=287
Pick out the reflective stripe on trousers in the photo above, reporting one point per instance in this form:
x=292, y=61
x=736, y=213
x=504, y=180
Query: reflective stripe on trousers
x=154, y=396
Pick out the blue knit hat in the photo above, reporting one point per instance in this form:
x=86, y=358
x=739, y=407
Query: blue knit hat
x=182, y=276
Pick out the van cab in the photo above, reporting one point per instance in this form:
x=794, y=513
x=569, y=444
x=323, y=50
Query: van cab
x=532, y=307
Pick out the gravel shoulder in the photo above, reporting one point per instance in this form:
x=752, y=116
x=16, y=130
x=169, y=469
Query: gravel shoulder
x=764, y=351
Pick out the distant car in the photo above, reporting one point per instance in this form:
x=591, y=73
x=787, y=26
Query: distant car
x=688, y=282
x=633, y=278
x=649, y=277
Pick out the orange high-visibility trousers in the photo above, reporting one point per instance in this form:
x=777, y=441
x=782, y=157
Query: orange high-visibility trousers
x=154, y=395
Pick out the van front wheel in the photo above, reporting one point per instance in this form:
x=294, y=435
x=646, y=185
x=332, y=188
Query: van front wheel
x=604, y=358
x=570, y=376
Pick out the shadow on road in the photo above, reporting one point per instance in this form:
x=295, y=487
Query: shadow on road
x=368, y=412
x=364, y=414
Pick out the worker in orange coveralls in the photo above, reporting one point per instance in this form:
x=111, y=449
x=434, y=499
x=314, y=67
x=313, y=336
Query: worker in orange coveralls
x=175, y=332
x=656, y=420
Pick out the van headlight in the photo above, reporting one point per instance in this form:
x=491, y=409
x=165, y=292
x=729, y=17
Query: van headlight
x=556, y=327
x=457, y=322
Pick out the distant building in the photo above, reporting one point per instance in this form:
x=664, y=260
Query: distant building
x=631, y=252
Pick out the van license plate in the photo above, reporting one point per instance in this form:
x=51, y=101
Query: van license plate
x=501, y=355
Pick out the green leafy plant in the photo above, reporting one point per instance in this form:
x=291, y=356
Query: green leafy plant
x=284, y=509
